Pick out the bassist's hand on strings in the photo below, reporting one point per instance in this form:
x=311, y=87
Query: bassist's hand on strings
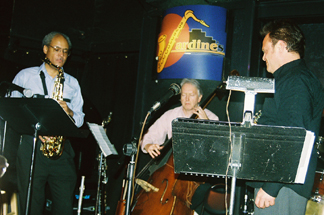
x=200, y=113
x=153, y=149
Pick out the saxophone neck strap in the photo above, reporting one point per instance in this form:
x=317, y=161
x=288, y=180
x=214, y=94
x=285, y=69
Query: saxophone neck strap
x=42, y=75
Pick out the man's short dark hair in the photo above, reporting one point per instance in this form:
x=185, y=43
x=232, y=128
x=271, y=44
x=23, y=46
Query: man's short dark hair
x=49, y=37
x=287, y=31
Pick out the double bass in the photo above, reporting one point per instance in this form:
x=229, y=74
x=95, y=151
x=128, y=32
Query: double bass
x=174, y=192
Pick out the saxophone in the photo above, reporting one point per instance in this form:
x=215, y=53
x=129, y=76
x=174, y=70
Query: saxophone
x=53, y=148
x=164, y=52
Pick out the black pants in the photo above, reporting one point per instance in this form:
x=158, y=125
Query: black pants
x=60, y=175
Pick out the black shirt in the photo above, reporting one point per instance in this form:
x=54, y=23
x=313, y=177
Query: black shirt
x=298, y=102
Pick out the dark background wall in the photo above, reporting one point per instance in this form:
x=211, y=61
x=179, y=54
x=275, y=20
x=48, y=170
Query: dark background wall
x=113, y=57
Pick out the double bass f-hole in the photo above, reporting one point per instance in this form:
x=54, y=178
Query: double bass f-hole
x=165, y=189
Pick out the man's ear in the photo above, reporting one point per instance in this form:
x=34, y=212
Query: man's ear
x=199, y=99
x=45, y=49
x=282, y=46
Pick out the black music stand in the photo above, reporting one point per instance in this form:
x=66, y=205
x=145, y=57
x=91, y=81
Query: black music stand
x=264, y=153
x=38, y=117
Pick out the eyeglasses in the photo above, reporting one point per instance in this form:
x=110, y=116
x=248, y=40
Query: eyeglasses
x=59, y=49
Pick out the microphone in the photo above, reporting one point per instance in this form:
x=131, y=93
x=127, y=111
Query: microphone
x=13, y=87
x=173, y=90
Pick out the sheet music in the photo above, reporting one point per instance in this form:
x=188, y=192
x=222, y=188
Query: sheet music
x=102, y=139
x=305, y=157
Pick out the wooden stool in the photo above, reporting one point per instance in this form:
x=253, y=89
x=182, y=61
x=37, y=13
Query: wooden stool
x=5, y=204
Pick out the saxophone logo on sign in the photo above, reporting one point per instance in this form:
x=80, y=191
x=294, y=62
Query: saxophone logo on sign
x=192, y=42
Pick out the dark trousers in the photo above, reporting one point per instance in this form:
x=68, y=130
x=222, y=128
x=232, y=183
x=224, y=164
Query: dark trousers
x=60, y=175
x=288, y=202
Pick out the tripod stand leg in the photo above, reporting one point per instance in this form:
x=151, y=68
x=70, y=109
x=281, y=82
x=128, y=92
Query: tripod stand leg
x=37, y=127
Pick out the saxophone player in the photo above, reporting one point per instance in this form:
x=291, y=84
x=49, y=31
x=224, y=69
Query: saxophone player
x=59, y=174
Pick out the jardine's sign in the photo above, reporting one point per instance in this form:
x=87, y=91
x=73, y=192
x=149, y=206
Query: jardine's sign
x=192, y=43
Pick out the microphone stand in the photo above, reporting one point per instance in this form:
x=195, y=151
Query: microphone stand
x=130, y=149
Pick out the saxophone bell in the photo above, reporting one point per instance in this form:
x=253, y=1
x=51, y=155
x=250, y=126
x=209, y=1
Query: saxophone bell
x=53, y=147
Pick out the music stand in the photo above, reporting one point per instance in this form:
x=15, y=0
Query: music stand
x=203, y=148
x=243, y=143
x=38, y=117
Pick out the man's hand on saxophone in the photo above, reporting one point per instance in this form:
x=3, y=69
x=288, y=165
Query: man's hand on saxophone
x=45, y=138
x=66, y=108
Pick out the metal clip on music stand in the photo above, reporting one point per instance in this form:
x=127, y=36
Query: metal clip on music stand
x=258, y=152
x=250, y=86
x=38, y=117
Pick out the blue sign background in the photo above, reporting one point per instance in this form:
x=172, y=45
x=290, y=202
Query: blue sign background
x=207, y=66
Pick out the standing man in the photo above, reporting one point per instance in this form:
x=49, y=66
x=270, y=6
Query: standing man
x=59, y=174
x=191, y=95
x=298, y=101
